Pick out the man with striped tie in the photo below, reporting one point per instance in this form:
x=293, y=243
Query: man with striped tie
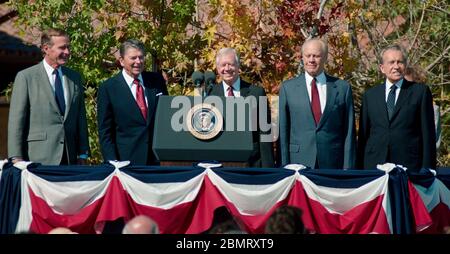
x=397, y=120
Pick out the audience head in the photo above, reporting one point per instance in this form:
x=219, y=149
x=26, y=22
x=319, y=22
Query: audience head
x=227, y=227
x=285, y=220
x=141, y=224
x=446, y=230
x=415, y=73
x=61, y=231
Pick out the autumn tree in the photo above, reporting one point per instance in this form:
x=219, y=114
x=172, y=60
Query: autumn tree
x=183, y=35
x=96, y=29
x=422, y=28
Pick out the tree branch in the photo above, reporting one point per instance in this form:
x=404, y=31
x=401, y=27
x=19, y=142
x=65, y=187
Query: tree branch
x=440, y=9
x=438, y=58
x=321, y=8
x=369, y=33
x=418, y=28
x=304, y=33
x=315, y=29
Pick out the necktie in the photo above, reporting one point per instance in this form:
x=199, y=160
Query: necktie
x=390, y=103
x=59, y=93
x=315, y=102
x=230, y=91
x=140, y=99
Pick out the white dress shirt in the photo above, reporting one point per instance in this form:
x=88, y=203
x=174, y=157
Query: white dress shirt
x=132, y=87
x=388, y=88
x=321, y=84
x=236, y=88
x=51, y=78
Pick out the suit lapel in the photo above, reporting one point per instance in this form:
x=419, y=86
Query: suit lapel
x=70, y=91
x=402, y=97
x=47, y=87
x=332, y=92
x=151, y=96
x=125, y=91
x=380, y=102
x=217, y=90
x=245, y=88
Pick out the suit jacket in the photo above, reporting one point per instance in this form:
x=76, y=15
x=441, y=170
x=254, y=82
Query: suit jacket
x=262, y=155
x=123, y=132
x=36, y=129
x=332, y=142
x=408, y=138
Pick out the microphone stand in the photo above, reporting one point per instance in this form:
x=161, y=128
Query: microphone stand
x=207, y=89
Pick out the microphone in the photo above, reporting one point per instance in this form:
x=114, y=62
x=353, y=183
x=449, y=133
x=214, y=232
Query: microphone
x=198, y=78
x=210, y=80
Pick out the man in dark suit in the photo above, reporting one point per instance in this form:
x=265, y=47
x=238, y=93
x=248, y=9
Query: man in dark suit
x=316, y=115
x=396, y=122
x=126, y=108
x=47, y=117
x=228, y=67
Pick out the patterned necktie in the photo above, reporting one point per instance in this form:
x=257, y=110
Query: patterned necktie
x=230, y=91
x=140, y=99
x=390, y=103
x=59, y=93
x=315, y=102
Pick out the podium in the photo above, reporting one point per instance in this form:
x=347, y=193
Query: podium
x=185, y=131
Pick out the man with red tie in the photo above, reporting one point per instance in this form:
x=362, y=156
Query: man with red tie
x=316, y=115
x=126, y=108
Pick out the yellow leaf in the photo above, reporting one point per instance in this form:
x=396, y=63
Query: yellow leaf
x=118, y=34
x=209, y=34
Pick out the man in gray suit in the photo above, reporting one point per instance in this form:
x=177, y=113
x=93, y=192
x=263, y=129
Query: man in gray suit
x=317, y=127
x=47, y=117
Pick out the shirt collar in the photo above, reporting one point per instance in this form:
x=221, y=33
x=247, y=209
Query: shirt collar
x=236, y=85
x=130, y=79
x=321, y=79
x=389, y=84
x=50, y=69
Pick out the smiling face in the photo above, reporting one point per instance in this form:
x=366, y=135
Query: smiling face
x=133, y=61
x=393, y=65
x=228, y=68
x=57, y=51
x=313, y=57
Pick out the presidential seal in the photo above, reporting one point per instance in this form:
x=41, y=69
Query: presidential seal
x=204, y=121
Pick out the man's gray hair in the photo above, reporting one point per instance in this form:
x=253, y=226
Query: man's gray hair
x=226, y=51
x=395, y=47
x=131, y=43
x=323, y=45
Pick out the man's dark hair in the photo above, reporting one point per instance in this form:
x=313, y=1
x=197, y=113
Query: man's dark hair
x=227, y=227
x=131, y=43
x=285, y=220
